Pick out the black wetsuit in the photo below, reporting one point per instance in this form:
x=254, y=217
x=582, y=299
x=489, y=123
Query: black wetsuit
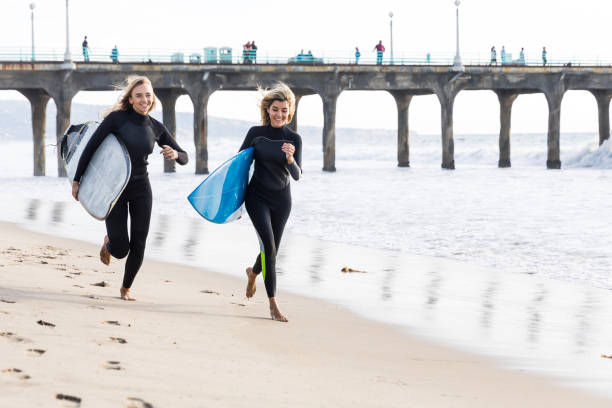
x=268, y=195
x=139, y=133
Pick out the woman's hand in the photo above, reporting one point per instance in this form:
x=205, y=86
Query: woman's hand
x=75, y=190
x=289, y=150
x=169, y=153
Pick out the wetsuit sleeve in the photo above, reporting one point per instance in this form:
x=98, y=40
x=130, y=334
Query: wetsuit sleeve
x=248, y=139
x=107, y=126
x=295, y=169
x=166, y=139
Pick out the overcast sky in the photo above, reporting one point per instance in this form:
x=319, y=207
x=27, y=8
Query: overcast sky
x=569, y=30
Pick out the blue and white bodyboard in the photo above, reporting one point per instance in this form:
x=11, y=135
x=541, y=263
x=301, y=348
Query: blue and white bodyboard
x=220, y=196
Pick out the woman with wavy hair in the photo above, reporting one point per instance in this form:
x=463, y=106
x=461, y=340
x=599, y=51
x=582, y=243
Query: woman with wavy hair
x=278, y=157
x=130, y=122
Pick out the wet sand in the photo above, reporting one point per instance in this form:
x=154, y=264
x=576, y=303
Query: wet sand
x=193, y=339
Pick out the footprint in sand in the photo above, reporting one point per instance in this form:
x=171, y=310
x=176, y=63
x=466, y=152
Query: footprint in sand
x=20, y=374
x=237, y=304
x=210, y=292
x=118, y=340
x=91, y=297
x=36, y=352
x=132, y=402
x=14, y=337
x=113, y=322
x=43, y=323
x=112, y=365
x=7, y=301
x=69, y=400
x=101, y=284
x=78, y=286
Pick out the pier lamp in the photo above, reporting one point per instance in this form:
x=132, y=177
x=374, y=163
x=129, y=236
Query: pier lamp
x=32, y=5
x=391, y=31
x=457, y=65
x=67, y=56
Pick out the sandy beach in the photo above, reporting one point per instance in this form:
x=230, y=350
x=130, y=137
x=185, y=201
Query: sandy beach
x=192, y=339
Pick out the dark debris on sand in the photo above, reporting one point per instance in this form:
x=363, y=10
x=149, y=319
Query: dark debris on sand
x=65, y=397
x=346, y=269
x=43, y=323
x=137, y=403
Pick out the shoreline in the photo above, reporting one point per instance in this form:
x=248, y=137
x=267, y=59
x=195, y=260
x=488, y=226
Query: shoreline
x=185, y=347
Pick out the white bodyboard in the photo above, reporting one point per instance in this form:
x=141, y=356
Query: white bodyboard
x=106, y=175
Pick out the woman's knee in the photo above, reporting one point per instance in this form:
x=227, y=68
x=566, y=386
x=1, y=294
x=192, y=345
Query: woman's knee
x=119, y=249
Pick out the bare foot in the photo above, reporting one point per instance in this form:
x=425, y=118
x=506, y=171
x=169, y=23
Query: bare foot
x=125, y=294
x=275, y=313
x=251, y=287
x=104, y=254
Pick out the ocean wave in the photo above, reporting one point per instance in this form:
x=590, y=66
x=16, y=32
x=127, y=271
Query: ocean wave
x=592, y=156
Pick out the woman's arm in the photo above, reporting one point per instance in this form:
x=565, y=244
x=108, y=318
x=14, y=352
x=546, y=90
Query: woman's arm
x=294, y=160
x=107, y=126
x=248, y=139
x=166, y=141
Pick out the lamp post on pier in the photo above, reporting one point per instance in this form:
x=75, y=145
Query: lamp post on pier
x=67, y=55
x=32, y=5
x=391, y=31
x=457, y=65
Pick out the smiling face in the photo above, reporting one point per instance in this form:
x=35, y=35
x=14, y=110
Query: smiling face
x=142, y=98
x=278, y=113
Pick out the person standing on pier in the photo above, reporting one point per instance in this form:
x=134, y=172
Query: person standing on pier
x=115, y=55
x=522, y=56
x=85, y=50
x=278, y=158
x=493, y=56
x=130, y=122
x=253, y=52
x=544, y=54
x=380, y=49
x=246, y=50
x=503, y=55
x=357, y=55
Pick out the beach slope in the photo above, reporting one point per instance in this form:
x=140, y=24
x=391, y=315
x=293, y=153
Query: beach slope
x=192, y=339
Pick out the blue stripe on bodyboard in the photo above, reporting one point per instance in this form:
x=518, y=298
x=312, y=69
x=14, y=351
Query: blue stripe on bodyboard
x=220, y=196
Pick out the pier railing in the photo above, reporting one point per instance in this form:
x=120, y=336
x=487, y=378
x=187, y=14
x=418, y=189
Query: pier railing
x=226, y=55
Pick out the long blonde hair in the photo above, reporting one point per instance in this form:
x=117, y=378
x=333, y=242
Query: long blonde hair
x=279, y=92
x=123, y=103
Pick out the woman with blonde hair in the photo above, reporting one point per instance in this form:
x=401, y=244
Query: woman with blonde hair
x=130, y=122
x=277, y=156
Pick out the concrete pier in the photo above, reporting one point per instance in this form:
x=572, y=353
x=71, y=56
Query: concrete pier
x=40, y=80
x=168, y=97
x=200, y=130
x=506, y=98
x=329, y=131
x=402, y=99
x=554, y=100
x=293, y=125
x=603, y=111
x=62, y=123
x=38, y=102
